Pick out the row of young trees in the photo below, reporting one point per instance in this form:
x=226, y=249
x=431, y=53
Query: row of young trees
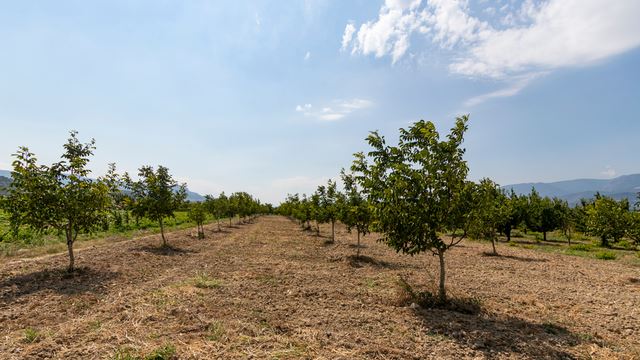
x=62, y=197
x=417, y=196
x=329, y=205
x=499, y=212
x=240, y=204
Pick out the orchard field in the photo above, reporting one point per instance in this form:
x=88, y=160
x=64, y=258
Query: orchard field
x=268, y=289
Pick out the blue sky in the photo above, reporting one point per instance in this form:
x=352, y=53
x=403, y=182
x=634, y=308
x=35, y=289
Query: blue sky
x=275, y=97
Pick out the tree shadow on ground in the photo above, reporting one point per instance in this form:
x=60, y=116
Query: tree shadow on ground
x=512, y=257
x=221, y=231
x=537, y=243
x=164, y=250
x=355, y=246
x=495, y=335
x=82, y=280
x=364, y=260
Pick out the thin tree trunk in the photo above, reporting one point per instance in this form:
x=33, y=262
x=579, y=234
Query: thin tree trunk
x=70, y=249
x=358, y=248
x=200, y=231
x=508, y=234
x=544, y=235
x=442, y=295
x=333, y=230
x=493, y=243
x=218, y=220
x=164, y=240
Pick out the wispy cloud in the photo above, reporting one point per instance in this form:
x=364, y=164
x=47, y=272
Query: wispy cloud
x=307, y=56
x=258, y=20
x=532, y=38
x=609, y=172
x=347, y=36
x=513, y=87
x=337, y=110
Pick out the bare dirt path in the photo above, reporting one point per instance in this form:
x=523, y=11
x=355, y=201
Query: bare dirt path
x=270, y=290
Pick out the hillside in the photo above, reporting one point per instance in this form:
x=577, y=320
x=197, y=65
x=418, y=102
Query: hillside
x=4, y=182
x=572, y=191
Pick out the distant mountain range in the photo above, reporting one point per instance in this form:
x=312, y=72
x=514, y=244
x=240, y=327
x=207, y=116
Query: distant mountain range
x=5, y=180
x=572, y=191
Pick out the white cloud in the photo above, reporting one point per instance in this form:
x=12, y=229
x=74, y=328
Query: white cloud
x=356, y=104
x=337, y=110
x=349, y=30
x=531, y=38
x=397, y=20
x=609, y=172
x=303, y=108
x=512, y=88
x=562, y=34
x=258, y=20
x=307, y=56
x=452, y=23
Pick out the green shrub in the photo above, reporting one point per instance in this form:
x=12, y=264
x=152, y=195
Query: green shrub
x=580, y=247
x=626, y=244
x=606, y=255
x=31, y=335
x=215, y=331
x=204, y=281
x=166, y=352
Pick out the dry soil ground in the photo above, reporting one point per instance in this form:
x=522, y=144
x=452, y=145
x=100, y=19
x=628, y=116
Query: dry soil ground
x=269, y=290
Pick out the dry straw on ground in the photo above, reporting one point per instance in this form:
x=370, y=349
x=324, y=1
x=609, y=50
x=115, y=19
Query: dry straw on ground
x=270, y=290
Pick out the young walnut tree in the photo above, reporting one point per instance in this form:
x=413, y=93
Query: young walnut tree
x=489, y=212
x=417, y=190
x=60, y=196
x=355, y=211
x=156, y=195
x=198, y=214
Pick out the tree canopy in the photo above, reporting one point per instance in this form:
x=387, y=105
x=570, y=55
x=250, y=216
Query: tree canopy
x=60, y=196
x=418, y=189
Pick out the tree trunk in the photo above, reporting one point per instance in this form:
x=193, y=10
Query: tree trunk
x=333, y=230
x=229, y=221
x=317, y=228
x=358, y=248
x=507, y=232
x=442, y=295
x=493, y=243
x=200, y=231
x=70, y=249
x=605, y=241
x=164, y=240
x=544, y=235
x=219, y=225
